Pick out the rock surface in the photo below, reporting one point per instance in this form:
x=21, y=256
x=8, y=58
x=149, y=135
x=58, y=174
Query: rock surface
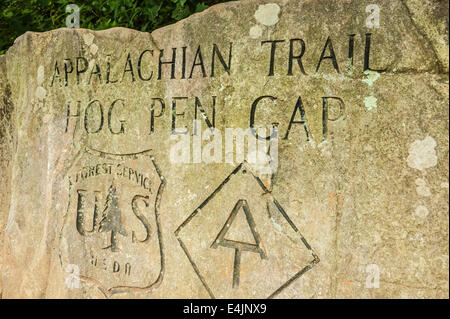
x=96, y=203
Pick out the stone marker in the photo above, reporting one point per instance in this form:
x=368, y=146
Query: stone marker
x=259, y=149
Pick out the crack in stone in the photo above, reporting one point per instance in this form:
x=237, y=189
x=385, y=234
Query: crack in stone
x=440, y=67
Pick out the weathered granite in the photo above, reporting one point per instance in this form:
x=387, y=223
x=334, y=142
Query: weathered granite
x=360, y=190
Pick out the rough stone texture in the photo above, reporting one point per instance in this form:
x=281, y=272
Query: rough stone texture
x=431, y=18
x=369, y=195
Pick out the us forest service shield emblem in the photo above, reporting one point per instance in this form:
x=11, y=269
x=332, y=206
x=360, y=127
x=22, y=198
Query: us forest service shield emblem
x=111, y=233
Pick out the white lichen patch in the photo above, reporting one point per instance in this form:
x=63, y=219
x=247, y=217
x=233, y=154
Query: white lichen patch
x=422, y=188
x=93, y=49
x=89, y=41
x=422, y=154
x=325, y=148
x=88, y=38
x=371, y=77
x=256, y=32
x=40, y=75
x=40, y=92
x=191, y=196
x=267, y=14
x=370, y=102
x=421, y=212
x=91, y=64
